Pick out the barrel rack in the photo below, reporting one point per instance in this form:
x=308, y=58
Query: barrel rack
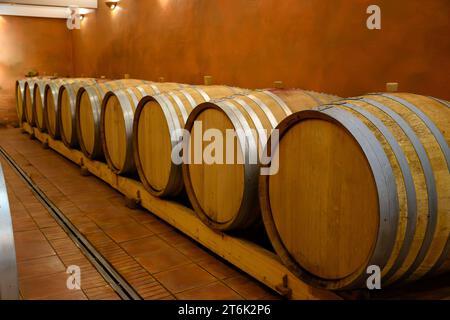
x=256, y=261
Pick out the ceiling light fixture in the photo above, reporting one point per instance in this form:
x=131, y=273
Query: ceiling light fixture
x=112, y=4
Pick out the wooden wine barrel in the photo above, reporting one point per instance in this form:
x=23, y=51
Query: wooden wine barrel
x=38, y=101
x=20, y=91
x=51, y=108
x=28, y=100
x=51, y=95
x=88, y=110
x=156, y=126
x=116, y=123
x=224, y=192
x=67, y=96
x=362, y=182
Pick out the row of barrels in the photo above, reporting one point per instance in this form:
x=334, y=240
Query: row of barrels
x=359, y=182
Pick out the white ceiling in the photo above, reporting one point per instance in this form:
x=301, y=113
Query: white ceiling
x=44, y=8
x=92, y=4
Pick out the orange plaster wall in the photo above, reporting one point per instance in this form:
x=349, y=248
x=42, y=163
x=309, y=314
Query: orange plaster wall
x=321, y=45
x=28, y=44
x=314, y=44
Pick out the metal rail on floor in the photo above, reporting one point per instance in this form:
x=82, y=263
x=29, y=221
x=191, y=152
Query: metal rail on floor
x=112, y=277
x=9, y=285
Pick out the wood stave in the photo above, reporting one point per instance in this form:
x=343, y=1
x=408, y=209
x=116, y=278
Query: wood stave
x=407, y=176
x=20, y=96
x=128, y=113
x=69, y=89
x=435, y=191
x=28, y=101
x=269, y=223
x=357, y=282
x=431, y=190
x=248, y=213
x=29, y=104
x=95, y=101
x=175, y=184
x=441, y=101
x=39, y=93
x=443, y=144
x=51, y=96
x=51, y=92
x=128, y=108
x=96, y=94
x=243, y=221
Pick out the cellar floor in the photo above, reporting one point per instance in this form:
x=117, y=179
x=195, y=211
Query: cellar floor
x=154, y=258
x=44, y=251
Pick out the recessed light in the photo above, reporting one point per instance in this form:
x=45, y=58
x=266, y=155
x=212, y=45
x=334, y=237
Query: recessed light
x=112, y=4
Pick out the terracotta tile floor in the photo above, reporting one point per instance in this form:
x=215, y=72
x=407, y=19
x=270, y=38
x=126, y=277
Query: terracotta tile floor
x=157, y=260
x=44, y=251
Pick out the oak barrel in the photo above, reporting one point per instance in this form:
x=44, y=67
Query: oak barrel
x=116, y=123
x=38, y=101
x=156, y=126
x=66, y=119
x=51, y=95
x=224, y=192
x=20, y=91
x=363, y=182
x=28, y=100
x=88, y=110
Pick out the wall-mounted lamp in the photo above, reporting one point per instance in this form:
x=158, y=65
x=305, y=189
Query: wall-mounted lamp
x=112, y=4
